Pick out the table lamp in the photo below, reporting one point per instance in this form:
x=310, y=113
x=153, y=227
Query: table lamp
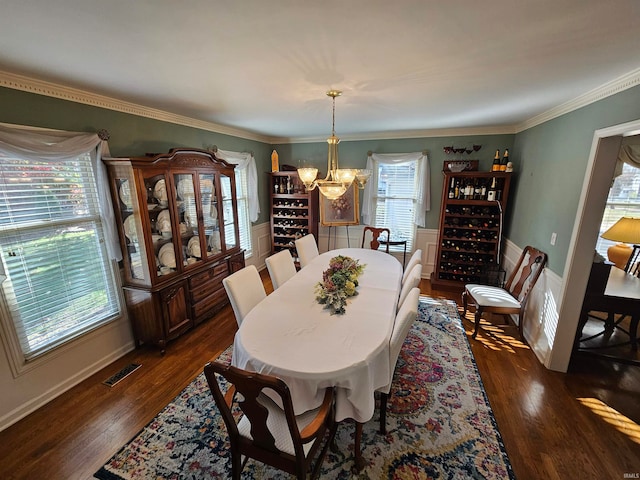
x=626, y=230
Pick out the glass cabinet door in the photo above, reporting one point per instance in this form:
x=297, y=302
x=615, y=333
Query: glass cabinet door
x=132, y=228
x=228, y=213
x=209, y=205
x=162, y=233
x=189, y=240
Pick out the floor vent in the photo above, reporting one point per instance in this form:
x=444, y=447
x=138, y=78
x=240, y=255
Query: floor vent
x=126, y=371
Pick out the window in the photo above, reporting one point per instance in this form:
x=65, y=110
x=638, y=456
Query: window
x=59, y=281
x=396, y=196
x=395, y=201
x=623, y=201
x=244, y=224
x=246, y=192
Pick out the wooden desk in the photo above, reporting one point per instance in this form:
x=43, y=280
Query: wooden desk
x=621, y=295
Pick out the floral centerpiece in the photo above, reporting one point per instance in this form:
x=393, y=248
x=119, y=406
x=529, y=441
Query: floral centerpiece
x=339, y=282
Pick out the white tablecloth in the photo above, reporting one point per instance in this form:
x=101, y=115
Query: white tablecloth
x=291, y=336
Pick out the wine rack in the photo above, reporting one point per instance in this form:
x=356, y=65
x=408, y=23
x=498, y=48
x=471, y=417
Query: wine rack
x=470, y=232
x=294, y=211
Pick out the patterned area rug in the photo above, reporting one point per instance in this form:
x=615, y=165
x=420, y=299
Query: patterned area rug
x=439, y=422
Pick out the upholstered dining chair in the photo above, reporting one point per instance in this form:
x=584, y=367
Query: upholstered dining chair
x=281, y=267
x=404, y=319
x=412, y=281
x=245, y=291
x=415, y=259
x=512, y=299
x=307, y=249
x=265, y=431
x=374, y=234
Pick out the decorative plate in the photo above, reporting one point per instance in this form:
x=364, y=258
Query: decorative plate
x=167, y=256
x=129, y=227
x=185, y=188
x=163, y=223
x=193, y=247
x=125, y=194
x=160, y=191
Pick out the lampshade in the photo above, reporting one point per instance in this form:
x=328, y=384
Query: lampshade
x=338, y=180
x=625, y=230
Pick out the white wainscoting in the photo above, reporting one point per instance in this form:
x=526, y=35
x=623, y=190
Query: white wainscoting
x=541, y=317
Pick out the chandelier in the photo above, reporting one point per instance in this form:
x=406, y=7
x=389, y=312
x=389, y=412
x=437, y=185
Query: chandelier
x=338, y=180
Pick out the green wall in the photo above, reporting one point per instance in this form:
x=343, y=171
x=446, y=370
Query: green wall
x=552, y=159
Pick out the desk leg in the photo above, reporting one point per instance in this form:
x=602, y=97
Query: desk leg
x=357, y=452
x=633, y=331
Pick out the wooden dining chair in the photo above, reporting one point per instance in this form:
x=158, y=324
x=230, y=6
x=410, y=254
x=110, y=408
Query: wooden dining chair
x=415, y=259
x=512, y=299
x=265, y=431
x=307, y=249
x=245, y=290
x=375, y=234
x=413, y=281
x=404, y=319
x=281, y=267
x=633, y=264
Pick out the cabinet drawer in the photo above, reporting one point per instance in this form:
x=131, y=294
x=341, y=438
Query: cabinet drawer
x=206, y=289
x=204, y=277
x=215, y=300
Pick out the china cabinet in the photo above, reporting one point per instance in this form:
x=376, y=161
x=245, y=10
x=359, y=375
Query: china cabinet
x=294, y=211
x=178, y=229
x=470, y=231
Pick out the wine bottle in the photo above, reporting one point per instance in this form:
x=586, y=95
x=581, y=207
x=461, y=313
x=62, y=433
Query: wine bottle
x=483, y=191
x=496, y=162
x=491, y=194
x=452, y=188
x=476, y=189
x=505, y=160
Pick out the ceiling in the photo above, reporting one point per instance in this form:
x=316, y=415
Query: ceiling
x=264, y=66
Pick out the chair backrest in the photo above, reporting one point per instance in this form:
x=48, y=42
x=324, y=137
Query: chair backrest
x=404, y=319
x=526, y=273
x=281, y=267
x=633, y=264
x=307, y=249
x=413, y=281
x=415, y=259
x=375, y=234
x=268, y=432
x=245, y=291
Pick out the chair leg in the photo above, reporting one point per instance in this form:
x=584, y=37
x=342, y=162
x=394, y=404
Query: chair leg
x=464, y=302
x=383, y=413
x=477, y=321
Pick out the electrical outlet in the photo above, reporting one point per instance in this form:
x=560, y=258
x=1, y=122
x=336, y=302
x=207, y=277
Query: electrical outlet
x=554, y=237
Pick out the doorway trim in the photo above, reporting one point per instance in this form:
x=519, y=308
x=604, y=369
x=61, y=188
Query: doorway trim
x=595, y=189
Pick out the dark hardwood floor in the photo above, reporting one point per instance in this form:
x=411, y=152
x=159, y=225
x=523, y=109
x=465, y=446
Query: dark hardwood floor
x=582, y=425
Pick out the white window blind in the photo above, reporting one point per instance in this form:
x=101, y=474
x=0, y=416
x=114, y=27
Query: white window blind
x=59, y=280
x=395, y=201
x=244, y=224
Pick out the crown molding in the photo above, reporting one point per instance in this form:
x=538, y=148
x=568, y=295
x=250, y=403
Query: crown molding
x=443, y=132
x=41, y=87
x=617, y=85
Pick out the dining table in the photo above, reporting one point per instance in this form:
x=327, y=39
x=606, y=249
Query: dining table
x=291, y=336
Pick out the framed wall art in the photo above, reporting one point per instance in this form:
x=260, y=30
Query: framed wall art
x=343, y=210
